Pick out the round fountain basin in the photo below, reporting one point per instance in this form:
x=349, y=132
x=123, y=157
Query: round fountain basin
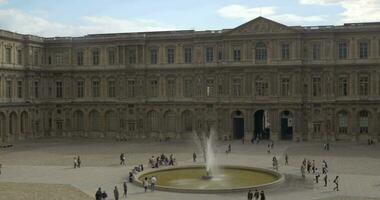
x=226, y=179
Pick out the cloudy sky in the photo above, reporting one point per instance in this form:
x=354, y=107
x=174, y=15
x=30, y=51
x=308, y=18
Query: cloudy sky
x=81, y=17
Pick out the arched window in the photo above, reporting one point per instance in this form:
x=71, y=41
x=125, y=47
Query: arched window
x=95, y=120
x=170, y=122
x=343, y=122
x=363, y=121
x=261, y=51
x=187, y=120
x=152, y=121
x=111, y=121
x=78, y=120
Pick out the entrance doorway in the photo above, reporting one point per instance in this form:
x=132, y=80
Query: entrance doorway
x=286, y=125
x=237, y=125
x=261, y=130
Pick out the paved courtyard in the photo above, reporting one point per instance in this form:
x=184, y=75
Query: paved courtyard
x=42, y=169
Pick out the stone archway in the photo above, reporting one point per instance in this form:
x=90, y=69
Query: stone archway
x=261, y=124
x=286, y=125
x=237, y=118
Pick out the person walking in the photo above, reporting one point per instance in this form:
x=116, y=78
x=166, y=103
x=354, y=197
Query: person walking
x=98, y=194
x=250, y=195
x=317, y=175
x=262, y=195
x=1, y=166
x=75, y=161
x=116, y=193
x=194, y=157
x=256, y=195
x=78, y=162
x=336, y=182
x=286, y=159
x=268, y=148
x=153, y=181
x=125, y=187
x=325, y=180
x=303, y=171
x=145, y=184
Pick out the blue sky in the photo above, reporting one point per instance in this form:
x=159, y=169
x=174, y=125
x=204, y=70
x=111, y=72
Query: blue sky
x=80, y=17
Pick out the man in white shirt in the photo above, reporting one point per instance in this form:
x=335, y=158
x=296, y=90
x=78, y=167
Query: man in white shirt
x=153, y=181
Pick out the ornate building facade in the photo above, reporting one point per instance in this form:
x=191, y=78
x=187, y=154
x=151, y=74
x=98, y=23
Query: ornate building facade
x=261, y=78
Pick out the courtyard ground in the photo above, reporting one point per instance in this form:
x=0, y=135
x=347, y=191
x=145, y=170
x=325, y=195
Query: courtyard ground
x=42, y=169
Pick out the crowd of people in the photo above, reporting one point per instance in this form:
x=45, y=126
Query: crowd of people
x=309, y=167
x=162, y=160
x=256, y=195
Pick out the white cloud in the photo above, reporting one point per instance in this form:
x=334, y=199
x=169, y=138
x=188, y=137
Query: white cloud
x=354, y=10
x=245, y=13
x=15, y=20
x=3, y=1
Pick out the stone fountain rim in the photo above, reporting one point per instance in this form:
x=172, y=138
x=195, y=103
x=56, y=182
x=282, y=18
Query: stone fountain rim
x=279, y=176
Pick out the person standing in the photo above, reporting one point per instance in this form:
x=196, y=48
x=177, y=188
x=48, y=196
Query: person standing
x=336, y=182
x=317, y=175
x=313, y=166
x=325, y=180
x=256, y=195
x=303, y=171
x=104, y=194
x=268, y=148
x=125, y=187
x=75, y=161
x=262, y=195
x=250, y=195
x=116, y=193
x=194, y=157
x=145, y=184
x=98, y=194
x=286, y=159
x=153, y=181
x=0, y=167
x=78, y=162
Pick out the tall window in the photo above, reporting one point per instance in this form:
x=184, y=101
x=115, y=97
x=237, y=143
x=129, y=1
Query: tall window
x=8, y=55
x=285, y=87
x=343, y=86
x=343, y=122
x=237, y=55
x=210, y=91
x=36, y=89
x=19, y=89
x=188, y=88
x=131, y=88
x=209, y=54
x=111, y=88
x=261, y=51
x=153, y=88
x=170, y=55
x=59, y=85
x=236, y=87
x=80, y=89
x=19, y=56
x=95, y=57
x=171, y=88
x=261, y=87
x=95, y=88
x=132, y=56
x=285, y=51
x=153, y=56
x=111, y=56
x=8, y=89
x=80, y=57
x=363, y=50
x=363, y=85
x=342, y=50
x=58, y=58
x=35, y=58
x=317, y=87
x=316, y=51
x=363, y=121
x=188, y=55
x=153, y=122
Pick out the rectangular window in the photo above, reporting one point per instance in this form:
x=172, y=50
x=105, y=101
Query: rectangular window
x=131, y=88
x=237, y=55
x=342, y=50
x=153, y=88
x=95, y=88
x=8, y=55
x=316, y=51
x=188, y=55
x=171, y=88
x=80, y=89
x=170, y=56
x=111, y=56
x=153, y=56
x=317, y=88
x=111, y=89
x=95, y=57
x=36, y=89
x=58, y=59
x=19, y=56
x=285, y=87
x=19, y=89
x=35, y=58
x=209, y=54
x=8, y=89
x=132, y=56
x=188, y=88
x=210, y=91
x=285, y=51
x=59, y=86
x=363, y=85
x=363, y=50
x=343, y=87
x=80, y=57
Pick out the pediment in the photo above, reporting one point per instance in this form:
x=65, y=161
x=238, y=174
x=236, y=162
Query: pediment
x=261, y=25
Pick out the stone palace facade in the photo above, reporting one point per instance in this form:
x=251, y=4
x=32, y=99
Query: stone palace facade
x=261, y=78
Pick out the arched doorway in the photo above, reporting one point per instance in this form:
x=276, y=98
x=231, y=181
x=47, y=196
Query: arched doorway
x=238, y=124
x=261, y=122
x=286, y=125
